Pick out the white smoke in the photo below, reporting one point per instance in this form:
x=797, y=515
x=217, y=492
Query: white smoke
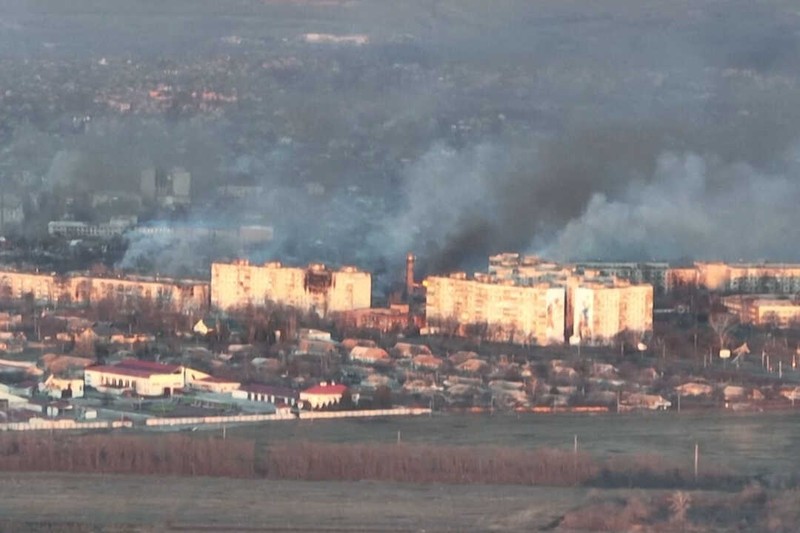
x=694, y=207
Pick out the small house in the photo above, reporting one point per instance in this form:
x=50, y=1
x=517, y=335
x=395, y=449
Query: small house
x=324, y=395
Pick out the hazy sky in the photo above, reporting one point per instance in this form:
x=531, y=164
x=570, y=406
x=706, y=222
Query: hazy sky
x=616, y=129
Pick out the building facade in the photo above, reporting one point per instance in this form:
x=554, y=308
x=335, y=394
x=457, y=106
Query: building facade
x=764, y=310
x=750, y=278
x=141, y=377
x=315, y=288
x=500, y=310
x=185, y=296
x=602, y=311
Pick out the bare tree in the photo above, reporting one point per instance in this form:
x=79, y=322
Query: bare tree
x=722, y=324
x=679, y=504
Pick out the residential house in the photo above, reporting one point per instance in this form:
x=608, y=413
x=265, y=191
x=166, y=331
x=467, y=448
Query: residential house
x=316, y=347
x=694, y=389
x=349, y=344
x=313, y=335
x=473, y=366
x=461, y=357
x=370, y=356
x=323, y=395
x=62, y=388
x=427, y=362
x=407, y=350
x=652, y=402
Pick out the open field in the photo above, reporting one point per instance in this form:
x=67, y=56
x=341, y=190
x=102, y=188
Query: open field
x=750, y=444
x=756, y=445
x=83, y=503
x=136, y=503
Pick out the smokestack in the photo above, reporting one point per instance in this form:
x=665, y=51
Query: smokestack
x=410, y=275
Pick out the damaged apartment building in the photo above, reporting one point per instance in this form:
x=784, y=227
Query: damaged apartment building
x=525, y=300
x=314, y=289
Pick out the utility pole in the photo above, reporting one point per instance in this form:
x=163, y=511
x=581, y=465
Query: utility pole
x=575, y=458
x=696, y=460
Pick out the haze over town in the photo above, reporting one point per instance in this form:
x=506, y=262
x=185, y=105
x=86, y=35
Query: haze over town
x=454, y=131
x=224, y=217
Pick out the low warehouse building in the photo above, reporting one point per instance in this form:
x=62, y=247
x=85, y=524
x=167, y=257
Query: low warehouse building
x=145, y=378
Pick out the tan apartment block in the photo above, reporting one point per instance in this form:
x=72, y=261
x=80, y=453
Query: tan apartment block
x=313, y=289
x=508, y=312
x=601, y=311
x=83, y=289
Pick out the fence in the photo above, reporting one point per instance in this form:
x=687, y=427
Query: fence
x=239, y=419
x=35, y=424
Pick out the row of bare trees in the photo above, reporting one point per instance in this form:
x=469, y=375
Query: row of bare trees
x=174, y=454
x=425, y=463
x=195, y=455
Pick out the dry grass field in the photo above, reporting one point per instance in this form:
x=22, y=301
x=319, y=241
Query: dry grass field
x=78, y=502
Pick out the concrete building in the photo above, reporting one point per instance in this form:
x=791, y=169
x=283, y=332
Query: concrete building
x=744, y=278
x=186, y=296
x=314, y=289
x=144, y=378
x=267, y=393
x=72, y=229
x=11, y=213
x=166, y=188
x=393, y=318
x=501, y=310
x=525, y=299
x=601, y=311
x=59, y=388
x=83, y=289
x=751, y=278
x=655, y=274
x=764, y=310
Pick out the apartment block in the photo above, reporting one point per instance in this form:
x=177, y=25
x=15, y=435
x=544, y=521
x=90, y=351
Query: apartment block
x=752, y=278
x=315, y=288
x=764, y=310
x=602, y=311
x=526, y=298
x=500, y=310
x=83, y=289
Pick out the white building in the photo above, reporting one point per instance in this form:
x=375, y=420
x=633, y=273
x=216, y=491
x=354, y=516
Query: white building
x=144, y=378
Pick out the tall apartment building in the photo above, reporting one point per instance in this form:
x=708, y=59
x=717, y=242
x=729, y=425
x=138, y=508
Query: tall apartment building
x=83, y=289
x=594, y=304
x=601, y=311
x=313, y=289
x=508, y=312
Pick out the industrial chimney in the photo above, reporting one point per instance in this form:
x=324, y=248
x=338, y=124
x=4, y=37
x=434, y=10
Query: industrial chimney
x=410, y=275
